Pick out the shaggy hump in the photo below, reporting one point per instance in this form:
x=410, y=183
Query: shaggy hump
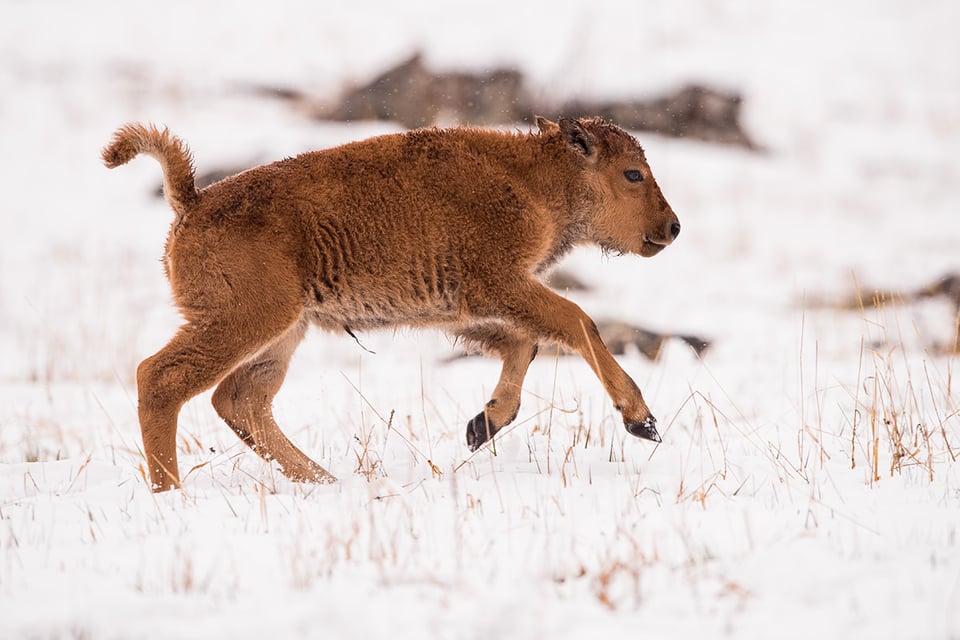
x=171, y=152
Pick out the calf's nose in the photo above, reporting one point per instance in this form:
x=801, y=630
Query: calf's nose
x=674, y=229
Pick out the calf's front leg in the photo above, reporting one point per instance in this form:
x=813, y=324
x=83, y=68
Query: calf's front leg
x=516, y=351
x=535, y=309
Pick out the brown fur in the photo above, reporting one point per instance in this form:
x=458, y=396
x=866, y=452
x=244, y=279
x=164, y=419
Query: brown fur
x=445, y=228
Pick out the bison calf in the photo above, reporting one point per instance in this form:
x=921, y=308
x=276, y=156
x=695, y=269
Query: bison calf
x=446, y=228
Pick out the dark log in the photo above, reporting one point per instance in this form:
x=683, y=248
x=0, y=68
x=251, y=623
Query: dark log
x=413, y=96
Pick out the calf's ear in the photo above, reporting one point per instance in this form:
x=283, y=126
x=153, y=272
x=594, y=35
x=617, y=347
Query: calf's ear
x=578, y=137
x=546, y=126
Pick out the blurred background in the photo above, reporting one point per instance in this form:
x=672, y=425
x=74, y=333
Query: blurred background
x=811, y=152
x=809, y=149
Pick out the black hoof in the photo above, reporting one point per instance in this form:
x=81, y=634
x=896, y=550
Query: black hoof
x=479, y=430
x=646, y=429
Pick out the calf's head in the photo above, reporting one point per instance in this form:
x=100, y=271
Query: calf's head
x=626, y=211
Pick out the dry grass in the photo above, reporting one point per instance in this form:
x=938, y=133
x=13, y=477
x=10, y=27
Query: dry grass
x=900, y=413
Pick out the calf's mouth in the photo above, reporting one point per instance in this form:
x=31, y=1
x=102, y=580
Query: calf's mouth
x=649, y=248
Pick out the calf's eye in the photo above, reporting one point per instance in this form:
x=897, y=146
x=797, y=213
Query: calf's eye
x=633, y=175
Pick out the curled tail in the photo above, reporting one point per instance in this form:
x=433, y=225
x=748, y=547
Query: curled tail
x=179, y=184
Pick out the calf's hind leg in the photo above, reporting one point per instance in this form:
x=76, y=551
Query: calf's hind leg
x=244, y=400
x=200, y=355
x=517, y=352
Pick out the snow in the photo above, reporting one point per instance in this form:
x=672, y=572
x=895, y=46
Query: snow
x=776, y=506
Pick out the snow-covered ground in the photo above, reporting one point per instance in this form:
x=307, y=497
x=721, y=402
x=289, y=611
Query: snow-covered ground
x=807, y=484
